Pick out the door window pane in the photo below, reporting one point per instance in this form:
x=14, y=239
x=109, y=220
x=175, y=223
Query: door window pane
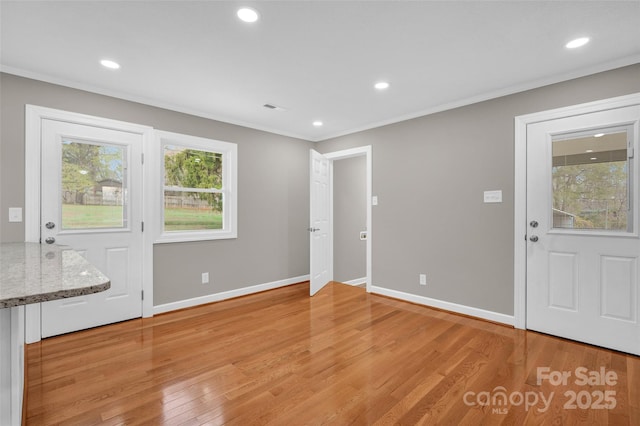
x=590, y=181
x=93, y=185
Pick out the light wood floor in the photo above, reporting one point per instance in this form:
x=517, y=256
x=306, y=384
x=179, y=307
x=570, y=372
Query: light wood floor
x=341, y=357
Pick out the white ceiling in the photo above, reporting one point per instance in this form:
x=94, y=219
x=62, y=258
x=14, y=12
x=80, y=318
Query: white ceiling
x=317, y=59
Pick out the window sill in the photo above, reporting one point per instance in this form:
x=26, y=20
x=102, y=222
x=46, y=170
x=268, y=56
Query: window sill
x=189, y=236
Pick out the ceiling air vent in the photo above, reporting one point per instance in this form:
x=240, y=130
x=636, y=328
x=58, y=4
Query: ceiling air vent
x=274, y=107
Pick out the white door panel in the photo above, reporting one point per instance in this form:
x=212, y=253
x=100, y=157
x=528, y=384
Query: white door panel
x=91, y=202
x=582, y=216
x=320, y=244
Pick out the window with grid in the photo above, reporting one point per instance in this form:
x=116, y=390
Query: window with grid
x=198, y=188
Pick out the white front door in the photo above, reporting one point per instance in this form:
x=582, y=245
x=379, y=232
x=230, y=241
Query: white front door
x=582, y=213
x=320, y=255
x=92, y=202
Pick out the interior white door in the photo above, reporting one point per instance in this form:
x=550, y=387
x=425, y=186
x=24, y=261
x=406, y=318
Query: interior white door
x=582, y=216
x=92, y=202
x=320, y=244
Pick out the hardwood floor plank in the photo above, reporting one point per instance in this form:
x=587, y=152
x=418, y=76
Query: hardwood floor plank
x=633, y=390
x=341, y=357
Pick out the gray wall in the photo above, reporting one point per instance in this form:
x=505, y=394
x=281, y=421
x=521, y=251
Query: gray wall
x=349, y=218
x=429, y=174
x=273, y=191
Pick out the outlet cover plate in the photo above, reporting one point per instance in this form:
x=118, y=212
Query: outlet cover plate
x=15, y=214
x=493, y=196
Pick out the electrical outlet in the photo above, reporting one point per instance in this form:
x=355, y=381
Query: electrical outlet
x=205, y=278
x=423, y=279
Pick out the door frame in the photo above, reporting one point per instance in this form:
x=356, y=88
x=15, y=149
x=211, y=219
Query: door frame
x=343, y=155
x=33, y=168
x=520, y=188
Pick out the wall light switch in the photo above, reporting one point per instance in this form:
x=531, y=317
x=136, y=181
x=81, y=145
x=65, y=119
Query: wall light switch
x=15, y=214
x=374, y=200
x=493, y=196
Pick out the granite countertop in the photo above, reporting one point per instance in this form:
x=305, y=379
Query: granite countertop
x=33, y=273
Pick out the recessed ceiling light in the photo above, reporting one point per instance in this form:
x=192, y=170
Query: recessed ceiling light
x=381, y=85
x=598, y=135
x=246, y=14
x=110, y=64
x=594, y=158
x=578, y=42
x=589, y=150
x=318, y=123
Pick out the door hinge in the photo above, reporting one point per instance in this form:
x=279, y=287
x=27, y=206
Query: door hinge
x=142, y=157
x=630, y=152
x=142, y=294
x=142, y=226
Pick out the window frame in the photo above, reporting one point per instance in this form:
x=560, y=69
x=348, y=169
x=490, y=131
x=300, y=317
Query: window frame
x=229, y=188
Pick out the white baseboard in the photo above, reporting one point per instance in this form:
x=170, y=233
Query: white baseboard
x=448, y=306
x=357, y=281
x=188, y=303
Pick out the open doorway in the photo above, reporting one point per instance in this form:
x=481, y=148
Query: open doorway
x=360, y=169
x=321, y=222
x=350, y=221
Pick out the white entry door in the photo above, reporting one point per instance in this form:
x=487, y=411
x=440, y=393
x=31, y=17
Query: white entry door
x=91, y=201
x=582, y=215
x=320, y=244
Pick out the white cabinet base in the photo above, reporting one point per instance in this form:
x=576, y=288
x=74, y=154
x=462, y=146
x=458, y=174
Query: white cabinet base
x=11, y=365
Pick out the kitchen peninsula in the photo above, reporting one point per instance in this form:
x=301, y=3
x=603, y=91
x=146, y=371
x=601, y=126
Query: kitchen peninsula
x=33, y=273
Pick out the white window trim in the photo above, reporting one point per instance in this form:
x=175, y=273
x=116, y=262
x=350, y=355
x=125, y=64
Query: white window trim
x=229, y=153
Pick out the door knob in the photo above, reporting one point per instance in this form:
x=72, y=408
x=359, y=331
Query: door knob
x=313, y=229
x=533, y=238
x=534, y=224
x=50, y=225
x=50, y=240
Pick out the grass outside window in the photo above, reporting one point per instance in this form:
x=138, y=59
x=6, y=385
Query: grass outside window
x=78, y=216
